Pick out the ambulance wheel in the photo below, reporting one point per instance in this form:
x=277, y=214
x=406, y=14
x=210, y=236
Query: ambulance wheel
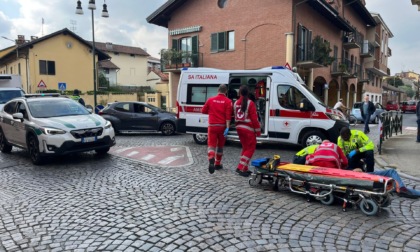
x=326, y=200
x=368, y=207
x=312, y=137
x=200, y=139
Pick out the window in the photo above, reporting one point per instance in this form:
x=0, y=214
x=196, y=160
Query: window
x=11, y=70
x=221, y=3
x=123, y=107
x=151, y=99
x=303, y=43
x=47, y=67
x=289, y=97
x=198, y=94
x=105, y=71
x=222, y=41
x=10, y=108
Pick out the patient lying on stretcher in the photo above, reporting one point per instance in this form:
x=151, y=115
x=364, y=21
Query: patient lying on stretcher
x=330, y=155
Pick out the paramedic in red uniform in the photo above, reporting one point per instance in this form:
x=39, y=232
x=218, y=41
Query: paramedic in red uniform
x=329, y=155
x=248, y=129
x=219, y=109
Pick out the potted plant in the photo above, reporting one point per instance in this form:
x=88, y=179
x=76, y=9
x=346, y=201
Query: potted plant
x=322, y=51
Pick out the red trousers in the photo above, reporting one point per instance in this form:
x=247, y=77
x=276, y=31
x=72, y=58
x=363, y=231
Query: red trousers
x=249, y=143
x=215, y=142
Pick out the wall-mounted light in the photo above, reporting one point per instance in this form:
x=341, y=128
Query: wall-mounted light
x=326, y=86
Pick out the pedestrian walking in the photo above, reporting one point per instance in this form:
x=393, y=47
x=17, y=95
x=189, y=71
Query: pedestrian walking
x=367, y=109
x=418, y=121
x=248, y=129
x=219, y=109
x=76, y=97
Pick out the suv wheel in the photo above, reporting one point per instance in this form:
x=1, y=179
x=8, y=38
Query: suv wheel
x=167, y=129
x=33, y=149
x=5, y=147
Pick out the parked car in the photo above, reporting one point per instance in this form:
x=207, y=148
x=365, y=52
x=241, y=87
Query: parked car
x=50, y=125
x=408, y=106
x=374, y=118
x=392, y=105
x=132, y=117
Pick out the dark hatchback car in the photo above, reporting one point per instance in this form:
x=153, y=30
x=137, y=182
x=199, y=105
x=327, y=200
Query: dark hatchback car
x=135, y=117
x=408, y=106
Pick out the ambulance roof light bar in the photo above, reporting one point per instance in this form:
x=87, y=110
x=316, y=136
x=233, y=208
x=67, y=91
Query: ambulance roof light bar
x=278, y=67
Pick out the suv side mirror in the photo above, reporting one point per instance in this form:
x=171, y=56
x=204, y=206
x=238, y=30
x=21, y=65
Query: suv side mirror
x=18, y=116
x=306, y=105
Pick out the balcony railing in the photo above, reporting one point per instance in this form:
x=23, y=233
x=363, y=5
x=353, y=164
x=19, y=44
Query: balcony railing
x=307, y=56
x=175, y=60
x=368, y=49
x=345, y=68
x=352, y=40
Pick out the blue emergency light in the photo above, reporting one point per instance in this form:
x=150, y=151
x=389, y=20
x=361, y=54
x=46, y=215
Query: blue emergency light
x=278, y=67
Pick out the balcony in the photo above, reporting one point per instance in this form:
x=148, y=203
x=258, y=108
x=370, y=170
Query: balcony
x=368, y=49
x=311, y=55
x=352, y=40
x=172, y=60
x=342, y=68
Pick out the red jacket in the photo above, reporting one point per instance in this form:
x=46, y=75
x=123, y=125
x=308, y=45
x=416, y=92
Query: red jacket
x=249, y=119
x=219, y=109
x=328, y=155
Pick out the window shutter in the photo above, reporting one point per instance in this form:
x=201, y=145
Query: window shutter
x=222, y=41
x=194, y=51
x=213, y=47
x=175, y=44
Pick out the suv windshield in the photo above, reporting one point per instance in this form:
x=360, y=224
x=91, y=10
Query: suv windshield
x=41, y=108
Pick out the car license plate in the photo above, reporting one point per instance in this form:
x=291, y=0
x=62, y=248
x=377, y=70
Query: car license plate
x=88, y=139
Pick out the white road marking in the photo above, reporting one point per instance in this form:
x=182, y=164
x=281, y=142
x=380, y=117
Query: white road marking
x=123, y=149
x=411, y=128
x=132, y=153
x=148, y=157
x=175, y=149
x=169, y=159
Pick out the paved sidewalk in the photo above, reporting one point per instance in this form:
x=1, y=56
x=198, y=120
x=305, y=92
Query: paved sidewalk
x=401, y=152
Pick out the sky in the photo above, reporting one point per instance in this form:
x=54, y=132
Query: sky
x=127, y=25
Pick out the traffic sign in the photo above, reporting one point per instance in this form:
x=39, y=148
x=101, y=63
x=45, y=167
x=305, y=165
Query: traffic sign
x=288, y=66
x=42, y=85
x=62, y=86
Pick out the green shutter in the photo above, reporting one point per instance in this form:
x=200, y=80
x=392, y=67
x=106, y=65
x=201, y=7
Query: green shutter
x=194, y=51
x=175, y=44
x=213, y=47
x=222, y=41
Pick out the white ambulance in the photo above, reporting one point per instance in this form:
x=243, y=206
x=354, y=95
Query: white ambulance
x=288, y=111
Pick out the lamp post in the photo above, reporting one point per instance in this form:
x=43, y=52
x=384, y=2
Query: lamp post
x=17, y=52
x=105, y=14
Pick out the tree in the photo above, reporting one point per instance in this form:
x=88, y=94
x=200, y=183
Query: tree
x=322, y=51
x=395, y=81
x=408, y=90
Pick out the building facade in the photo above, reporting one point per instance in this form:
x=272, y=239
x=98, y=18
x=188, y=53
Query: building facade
x=327, y=42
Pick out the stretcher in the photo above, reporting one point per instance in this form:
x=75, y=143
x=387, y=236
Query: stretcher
x=358, y=189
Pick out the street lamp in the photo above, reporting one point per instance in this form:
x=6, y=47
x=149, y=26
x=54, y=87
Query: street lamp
x=17, y=52
x=105, y=14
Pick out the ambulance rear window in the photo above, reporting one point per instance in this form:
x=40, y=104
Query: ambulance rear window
x=198, y=93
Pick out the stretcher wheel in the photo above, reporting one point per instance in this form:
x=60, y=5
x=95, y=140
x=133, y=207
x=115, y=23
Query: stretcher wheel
x=255, y=180
x=368, y=207
x=328, y=199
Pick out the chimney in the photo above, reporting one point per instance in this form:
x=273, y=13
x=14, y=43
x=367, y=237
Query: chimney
x=20, y=40
x=33, y=38
x=108, y=45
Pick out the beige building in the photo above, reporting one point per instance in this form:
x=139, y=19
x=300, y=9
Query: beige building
x=59, y=58
x=328, y=42
x=130, y=61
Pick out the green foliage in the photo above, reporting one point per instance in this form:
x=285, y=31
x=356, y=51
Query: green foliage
x=408, y=90
x=322, y=51
x=395, y=81
x=103, y=82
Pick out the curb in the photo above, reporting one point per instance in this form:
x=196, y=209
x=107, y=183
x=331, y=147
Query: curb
x=384, y=165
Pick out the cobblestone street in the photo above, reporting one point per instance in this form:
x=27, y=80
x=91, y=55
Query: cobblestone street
x=90, y=203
